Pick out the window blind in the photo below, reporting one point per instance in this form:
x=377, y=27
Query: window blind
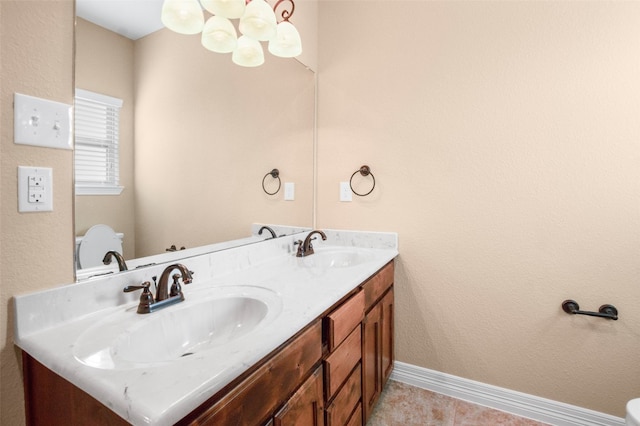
x=96, y=158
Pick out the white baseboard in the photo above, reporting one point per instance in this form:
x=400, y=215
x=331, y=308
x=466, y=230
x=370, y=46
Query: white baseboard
x=518, y=403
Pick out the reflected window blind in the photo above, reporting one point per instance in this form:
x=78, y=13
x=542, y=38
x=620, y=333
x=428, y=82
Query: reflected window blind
x=96, y=159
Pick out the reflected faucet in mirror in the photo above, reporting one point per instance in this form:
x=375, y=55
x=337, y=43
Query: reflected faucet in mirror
x=164, y=296
x=271, y=231
x=122, y=265
x=306, y=248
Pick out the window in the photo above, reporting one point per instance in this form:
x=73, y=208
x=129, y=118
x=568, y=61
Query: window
x=96, y=159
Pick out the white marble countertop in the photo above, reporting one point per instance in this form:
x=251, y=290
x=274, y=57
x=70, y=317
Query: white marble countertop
x=50, y=323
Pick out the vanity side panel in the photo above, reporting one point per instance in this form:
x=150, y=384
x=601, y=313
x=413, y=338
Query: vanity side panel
x=53, y=401
x=257, y=397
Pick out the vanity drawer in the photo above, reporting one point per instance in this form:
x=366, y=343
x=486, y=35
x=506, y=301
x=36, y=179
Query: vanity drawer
x=259, y=395
x=344, y=319
x=377, y=285
x=340, y=363
x=340, y=410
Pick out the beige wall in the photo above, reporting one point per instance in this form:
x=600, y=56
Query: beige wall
x=207, y=132
x=104, y=64
x=36, y=39
x=200, y=156
x=505, y=150
x=504, y=140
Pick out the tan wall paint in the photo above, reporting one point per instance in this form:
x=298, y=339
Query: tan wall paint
x=504, y=138
x=207, y=132
x=36, y=39
x=506, y=157
x=104, y=64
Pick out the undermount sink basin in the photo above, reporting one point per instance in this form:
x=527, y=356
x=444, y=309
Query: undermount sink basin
x=206, y=321
x=336, y=257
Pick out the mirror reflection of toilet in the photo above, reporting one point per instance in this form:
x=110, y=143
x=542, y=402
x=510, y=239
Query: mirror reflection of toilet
x=98, y=240
x=633, y=412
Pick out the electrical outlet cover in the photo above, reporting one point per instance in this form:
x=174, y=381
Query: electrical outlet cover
x=35, y=189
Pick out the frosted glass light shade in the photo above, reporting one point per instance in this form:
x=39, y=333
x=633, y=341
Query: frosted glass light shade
x=258, y=21
x=286, y=43
x=248, y=53
x=182, y=16
x=219, y=35
x=232, y=9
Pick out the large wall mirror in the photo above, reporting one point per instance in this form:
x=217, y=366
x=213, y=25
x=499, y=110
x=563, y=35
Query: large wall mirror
x=197, y=136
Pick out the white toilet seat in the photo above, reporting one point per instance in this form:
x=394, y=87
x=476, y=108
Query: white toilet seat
x=633, y=412
x=98, y=240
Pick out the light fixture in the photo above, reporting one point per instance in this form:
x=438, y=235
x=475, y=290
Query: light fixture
x=219, y=35
x=249, y=52
x=286, y=43
x=182, y=16
x=232, y=9
x=257, y=22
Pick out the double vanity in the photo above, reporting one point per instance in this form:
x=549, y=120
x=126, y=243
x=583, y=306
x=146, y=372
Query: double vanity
x=262, y=337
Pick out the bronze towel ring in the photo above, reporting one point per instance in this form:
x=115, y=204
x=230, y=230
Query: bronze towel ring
x=275, y=173
x=364, y=171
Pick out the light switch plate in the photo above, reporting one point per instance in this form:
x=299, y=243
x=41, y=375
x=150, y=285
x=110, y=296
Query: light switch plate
x=41, y=122
x=35, y=189
x=345, y=191
x=289, y=191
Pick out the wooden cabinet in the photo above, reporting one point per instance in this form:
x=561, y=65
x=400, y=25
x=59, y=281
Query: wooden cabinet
x=377, y=337
x=267, y=386
x=306, y=406
x=329, y=374
x=343, y=377
x=344, y=406
x=341, y=321
x=53, y=401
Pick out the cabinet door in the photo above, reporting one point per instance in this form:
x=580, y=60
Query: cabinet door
x=371, y=359
x=377, y=351
x=305, y=407
x=387, y=335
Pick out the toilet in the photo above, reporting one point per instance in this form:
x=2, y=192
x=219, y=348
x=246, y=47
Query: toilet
x=97, y=241
x=633, y=412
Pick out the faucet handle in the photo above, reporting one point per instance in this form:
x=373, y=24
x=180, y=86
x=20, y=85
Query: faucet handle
x=300, y=251
x=176, y=289
x=145, y=285
x=146, y=298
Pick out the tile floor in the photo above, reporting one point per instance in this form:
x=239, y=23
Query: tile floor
x=404, y=405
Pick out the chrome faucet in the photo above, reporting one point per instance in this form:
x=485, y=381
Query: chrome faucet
x=273, y=234
x=306, y=248
x=122, y=265
x=164, y=296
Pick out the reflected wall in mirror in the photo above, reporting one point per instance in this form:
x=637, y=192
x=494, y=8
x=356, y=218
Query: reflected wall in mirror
x=198, y=134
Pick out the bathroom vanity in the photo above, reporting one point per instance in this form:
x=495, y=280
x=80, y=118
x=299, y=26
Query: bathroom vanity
x=320, y=355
